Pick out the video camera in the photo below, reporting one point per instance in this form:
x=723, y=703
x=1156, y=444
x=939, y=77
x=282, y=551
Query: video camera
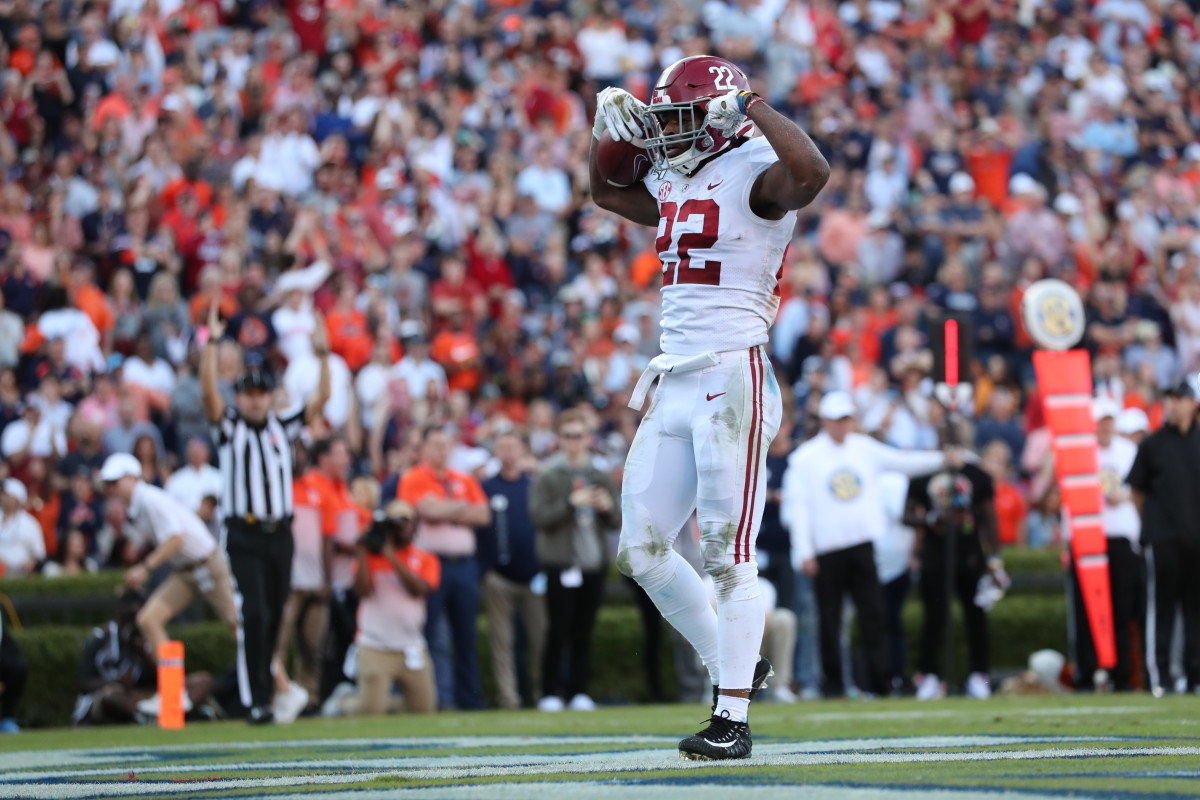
x=386, y=526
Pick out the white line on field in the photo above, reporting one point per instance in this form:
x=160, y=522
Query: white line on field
x=119, y=761
x=453, y=768
x=687, y=791
x=840, y=716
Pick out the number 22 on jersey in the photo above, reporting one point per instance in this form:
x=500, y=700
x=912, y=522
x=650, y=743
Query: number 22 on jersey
x=692, y=226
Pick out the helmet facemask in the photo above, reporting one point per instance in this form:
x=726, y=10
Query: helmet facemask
x=691, y=134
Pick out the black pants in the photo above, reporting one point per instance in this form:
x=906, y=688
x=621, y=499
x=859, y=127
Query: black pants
x=12, y=674
x=572, y=619
x=651, y=641
x=1176, y=585
x=1124, y=576
x=838, y=572
x=894, y=594
x=969, y=567
x=262, y=572
x=343, y=624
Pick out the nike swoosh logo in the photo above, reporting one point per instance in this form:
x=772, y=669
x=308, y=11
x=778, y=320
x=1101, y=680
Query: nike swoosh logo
x=712, y=186
x=712, y=397
x=723, y=744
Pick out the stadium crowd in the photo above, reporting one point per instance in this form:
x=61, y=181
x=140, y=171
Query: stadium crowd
x=413, y=176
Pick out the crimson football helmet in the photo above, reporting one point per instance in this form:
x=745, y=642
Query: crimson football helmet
x=681, y=95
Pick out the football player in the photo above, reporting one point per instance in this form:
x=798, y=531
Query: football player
x=729, y=174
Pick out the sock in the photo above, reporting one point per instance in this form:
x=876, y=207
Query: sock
x=737, y=708
x=740, y=624
x=680, y=596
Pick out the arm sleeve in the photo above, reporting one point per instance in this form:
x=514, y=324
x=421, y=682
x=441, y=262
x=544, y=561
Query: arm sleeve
x=37, y=542
x=475, y=494
x=222, y=432
x=548, y=508
x=908, y=463
x=292, y=420
x=793, y=512
x=1139, y=473
x=161, y=523
x=431, y=571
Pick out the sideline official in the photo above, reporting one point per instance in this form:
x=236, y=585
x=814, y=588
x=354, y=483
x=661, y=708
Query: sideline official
x=1122, y=530
x=1163, y=480
x=832, y=505
x=255, y=455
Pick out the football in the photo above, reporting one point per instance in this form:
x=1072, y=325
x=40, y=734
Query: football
x=621, y=163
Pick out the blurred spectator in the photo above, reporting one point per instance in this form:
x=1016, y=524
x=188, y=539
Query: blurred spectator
x=13, y=674
x=197, y=478
x=22, y=547
x=832, y=507
x=448, y=505
x=393, y=578
x=509, y=565
x=573, y=505
x=959, y=503
x=895, y=561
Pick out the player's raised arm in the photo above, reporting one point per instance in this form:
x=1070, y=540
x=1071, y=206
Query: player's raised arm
x=801, y=171
x=619, y=112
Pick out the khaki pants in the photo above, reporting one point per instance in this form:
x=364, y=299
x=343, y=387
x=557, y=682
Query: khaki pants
x=500, y=597
x=779, y=644
x=306, y=613
x=210, y=580
x=378, y=668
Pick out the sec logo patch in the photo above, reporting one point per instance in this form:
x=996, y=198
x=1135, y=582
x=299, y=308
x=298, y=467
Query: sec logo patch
x=664, y=191
x=845, y=485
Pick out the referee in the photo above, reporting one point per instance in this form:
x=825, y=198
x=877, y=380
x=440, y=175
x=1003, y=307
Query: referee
x=255, y=455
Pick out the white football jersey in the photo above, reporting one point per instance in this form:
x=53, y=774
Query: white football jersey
x=721, y=262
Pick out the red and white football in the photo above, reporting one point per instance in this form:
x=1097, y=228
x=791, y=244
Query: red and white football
x=621, y=163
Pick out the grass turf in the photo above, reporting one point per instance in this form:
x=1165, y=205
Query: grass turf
x=1114, y=746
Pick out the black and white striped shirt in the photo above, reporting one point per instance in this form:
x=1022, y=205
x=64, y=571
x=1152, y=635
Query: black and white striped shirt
x=256, y=465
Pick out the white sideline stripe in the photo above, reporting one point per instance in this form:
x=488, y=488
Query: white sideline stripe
x=691, y=791
x=769, y=754
x=147, y=761
x=836, y=716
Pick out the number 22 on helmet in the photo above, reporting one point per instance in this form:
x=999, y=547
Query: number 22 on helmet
x=678, y=137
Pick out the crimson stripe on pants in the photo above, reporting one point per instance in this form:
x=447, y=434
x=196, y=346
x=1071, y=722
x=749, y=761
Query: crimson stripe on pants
x=754, y=421
x=756, y=442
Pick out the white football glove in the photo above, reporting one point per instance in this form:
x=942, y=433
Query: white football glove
x=620, y=113
x=725, y=113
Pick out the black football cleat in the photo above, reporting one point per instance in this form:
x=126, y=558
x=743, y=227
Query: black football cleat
x=762, y=671
x=722, y=739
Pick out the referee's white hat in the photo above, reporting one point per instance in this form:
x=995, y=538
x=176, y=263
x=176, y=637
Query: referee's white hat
x=836, y=405
x=118, y=465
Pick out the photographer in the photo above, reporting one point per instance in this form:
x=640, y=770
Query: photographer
x=392, y=582
x=957, y=502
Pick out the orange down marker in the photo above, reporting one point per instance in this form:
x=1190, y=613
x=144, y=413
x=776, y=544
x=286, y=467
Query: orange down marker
x=170, y=685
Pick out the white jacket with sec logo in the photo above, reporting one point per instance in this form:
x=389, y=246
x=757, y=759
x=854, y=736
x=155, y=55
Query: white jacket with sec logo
x=721, y=262
x=831, y=495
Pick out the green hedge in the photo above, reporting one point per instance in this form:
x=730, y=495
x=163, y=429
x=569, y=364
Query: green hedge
x=1020, y=625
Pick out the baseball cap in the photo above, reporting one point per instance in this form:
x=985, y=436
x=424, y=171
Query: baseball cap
x=1103, y=408
x=397, y=511
x=254, y=379
x=836, y=405
x=961, y=183
x=1067, y=203
x=119, y=465
x=1022, y=183
x=1187, y=387
x=1132, y=420
x=15, y=489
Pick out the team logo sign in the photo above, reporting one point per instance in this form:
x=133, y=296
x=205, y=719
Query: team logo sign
x=845, y=485
x=1053, y=314
x=664, y=191
x=1110, y=481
